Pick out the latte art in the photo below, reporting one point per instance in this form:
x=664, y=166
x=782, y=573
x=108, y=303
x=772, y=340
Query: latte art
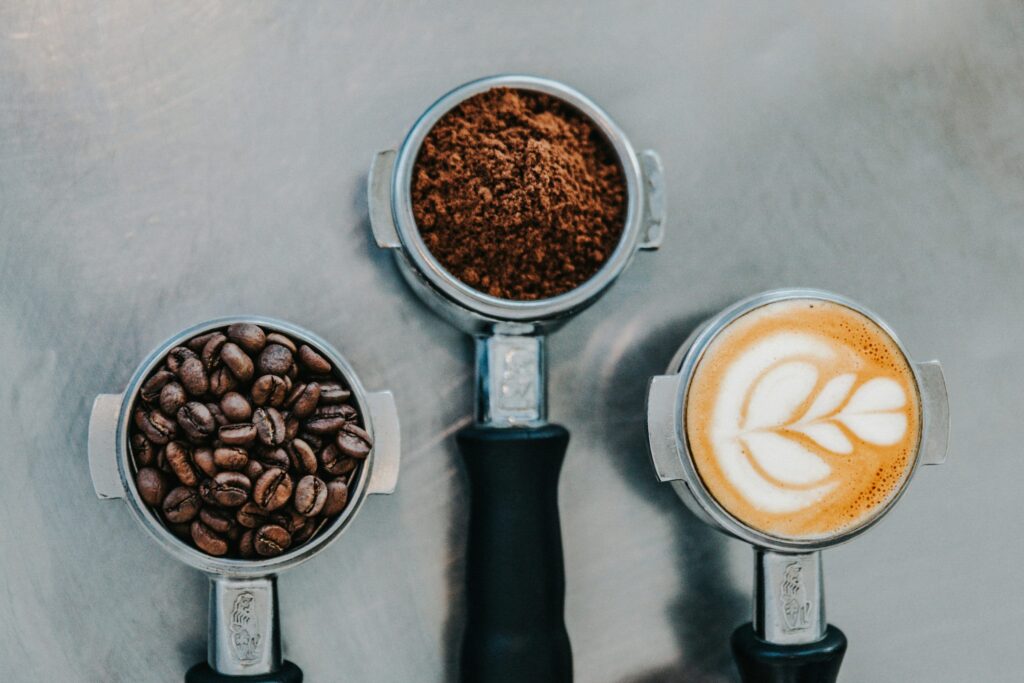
x=802, y=418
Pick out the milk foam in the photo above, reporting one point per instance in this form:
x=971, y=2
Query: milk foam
x=808, y=426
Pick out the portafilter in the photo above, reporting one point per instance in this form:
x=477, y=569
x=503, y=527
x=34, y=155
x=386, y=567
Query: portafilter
x=515, y=577
x=243, y=642
x=789, y=640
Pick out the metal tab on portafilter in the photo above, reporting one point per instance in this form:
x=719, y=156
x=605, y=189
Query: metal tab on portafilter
x=244, y=640
x=789, y=639
x=515, y=579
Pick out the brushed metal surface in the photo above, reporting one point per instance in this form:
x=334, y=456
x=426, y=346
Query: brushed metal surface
x=158, y=159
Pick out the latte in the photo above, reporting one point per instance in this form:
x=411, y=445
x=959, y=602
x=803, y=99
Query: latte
x=803, y=418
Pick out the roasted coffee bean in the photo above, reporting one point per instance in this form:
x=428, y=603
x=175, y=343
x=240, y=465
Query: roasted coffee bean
x=294, y=520
x=177, y=356
x=245, y=544
x=181, y=505
x=218, y=414
x=193, y=377
x=220, y=521
x=179, y=457
x=315, y=442
x=332, y=392
x=324, y=424
x=249, y=337
x=310, y=495
x=222, y=381
x=306, y=532
x=237, y=434
x=335, y=462
x=143, y=450
x=207, y=489
x=254, y=469
x=273, y=489
x=161, y=461
x=337, y=498
x=197, y=343
x=237, y=361
x=275, y=457
x=344, y=410
x=303, y=399
x=272, y=540
x=281, y=340
x=231, y=458
x=274, y=360
x=251, y=516
x=353, y=441
x=303, y=458
x=172, y=397
x=152, y=387
x=202, y=456
x=269, y=390
x=313, y=361
x=157, y=427
x=291, y=427
x=293, y=372
x=207, y=540
x=270, y=426
x=210, y=354
x=152, y=486
x=236, y=407
x=231, y=489
x=196, y=420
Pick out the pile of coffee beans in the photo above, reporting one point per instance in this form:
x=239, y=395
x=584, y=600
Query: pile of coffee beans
x=246, y=442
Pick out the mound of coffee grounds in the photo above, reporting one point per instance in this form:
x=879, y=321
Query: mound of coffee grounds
x=518, y=194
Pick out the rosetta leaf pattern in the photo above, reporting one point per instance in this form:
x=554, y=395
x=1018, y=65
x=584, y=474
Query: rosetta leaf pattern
x=872, y=413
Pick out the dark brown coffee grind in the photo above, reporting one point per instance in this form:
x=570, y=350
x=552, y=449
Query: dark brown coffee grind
x=518, y=194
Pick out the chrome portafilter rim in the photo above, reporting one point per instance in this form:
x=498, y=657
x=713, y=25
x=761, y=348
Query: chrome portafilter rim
x=238, y=568
x=422, y=265
x=689, y=484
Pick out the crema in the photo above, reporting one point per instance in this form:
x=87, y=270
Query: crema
x=803, y=418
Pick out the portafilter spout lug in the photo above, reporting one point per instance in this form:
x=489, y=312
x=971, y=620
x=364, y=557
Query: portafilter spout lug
x=653, y=228
x=387, y=447
x=103, y=452
x=661, y=427
x=382, y=221
x=935, y=405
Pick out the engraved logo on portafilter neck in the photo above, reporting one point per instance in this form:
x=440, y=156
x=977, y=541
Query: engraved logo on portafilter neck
x=796, y=608
x=759, y=422
x=246, y=633
x=518, y=379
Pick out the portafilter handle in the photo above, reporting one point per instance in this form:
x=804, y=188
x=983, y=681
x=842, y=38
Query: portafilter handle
x=515, y=578
x=789, y=640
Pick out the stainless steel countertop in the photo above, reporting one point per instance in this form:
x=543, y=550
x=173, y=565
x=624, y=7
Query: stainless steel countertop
x=162, y=163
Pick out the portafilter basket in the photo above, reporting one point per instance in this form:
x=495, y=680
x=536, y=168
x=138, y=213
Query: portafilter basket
x=243, y=642
x=515, y=577
x=789, y=640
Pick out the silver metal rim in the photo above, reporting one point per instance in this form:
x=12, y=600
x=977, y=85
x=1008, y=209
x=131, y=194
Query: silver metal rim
x=685, y=363
x=171, y=543
x=451, y=287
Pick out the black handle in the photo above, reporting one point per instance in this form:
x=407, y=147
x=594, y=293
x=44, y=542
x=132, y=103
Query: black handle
x=763, y=662
x=202, y=673
x=515, y=630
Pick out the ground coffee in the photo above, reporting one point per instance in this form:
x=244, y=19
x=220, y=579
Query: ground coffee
x=518, y=194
